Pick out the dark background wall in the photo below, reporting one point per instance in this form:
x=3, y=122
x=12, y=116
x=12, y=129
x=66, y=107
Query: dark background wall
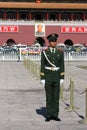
x=59, y=1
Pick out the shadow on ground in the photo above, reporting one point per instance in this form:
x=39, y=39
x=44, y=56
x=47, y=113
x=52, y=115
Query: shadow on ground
x=42, y=111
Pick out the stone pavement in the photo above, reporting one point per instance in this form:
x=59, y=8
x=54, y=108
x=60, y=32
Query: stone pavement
x=22, y=99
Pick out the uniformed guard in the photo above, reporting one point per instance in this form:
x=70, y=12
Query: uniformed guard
x=52, y=75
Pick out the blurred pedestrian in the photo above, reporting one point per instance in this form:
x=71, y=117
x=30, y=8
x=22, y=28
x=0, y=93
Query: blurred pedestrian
x=18, y=54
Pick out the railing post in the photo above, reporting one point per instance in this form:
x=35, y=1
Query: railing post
x=61, y=92
x=84, y=121
x=71, y=106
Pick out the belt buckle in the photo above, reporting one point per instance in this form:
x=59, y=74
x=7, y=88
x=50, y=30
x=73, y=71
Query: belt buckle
x=52, y=68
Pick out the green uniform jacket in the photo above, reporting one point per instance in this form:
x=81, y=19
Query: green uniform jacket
x=58, y=60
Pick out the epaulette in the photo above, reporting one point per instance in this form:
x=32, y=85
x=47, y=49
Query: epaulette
x=61, y=50
x=45, y=49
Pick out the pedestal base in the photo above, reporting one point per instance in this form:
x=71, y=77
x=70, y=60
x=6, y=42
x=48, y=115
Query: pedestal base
x=84, y=121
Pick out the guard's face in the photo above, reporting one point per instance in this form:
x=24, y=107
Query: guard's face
x=53, y=44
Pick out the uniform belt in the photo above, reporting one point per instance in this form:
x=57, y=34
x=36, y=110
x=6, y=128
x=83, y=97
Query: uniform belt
x=52, y=68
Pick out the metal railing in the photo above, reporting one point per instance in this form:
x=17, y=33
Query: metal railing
x=34, y=53
x=68, y=56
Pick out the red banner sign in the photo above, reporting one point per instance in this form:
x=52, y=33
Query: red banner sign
x=74, y=29
x=6, y=28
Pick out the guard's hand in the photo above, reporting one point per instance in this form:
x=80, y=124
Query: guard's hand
x=61, y=81
x=43, y=81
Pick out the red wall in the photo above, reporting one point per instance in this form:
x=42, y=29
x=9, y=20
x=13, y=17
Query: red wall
x=26, y=35
x=75, y=37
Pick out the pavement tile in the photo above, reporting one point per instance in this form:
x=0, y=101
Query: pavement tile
x=22, y=99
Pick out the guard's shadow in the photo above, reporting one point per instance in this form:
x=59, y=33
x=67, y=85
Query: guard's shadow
x=42, y=111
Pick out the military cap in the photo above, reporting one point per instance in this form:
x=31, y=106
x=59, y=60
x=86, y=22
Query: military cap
x=52, y=37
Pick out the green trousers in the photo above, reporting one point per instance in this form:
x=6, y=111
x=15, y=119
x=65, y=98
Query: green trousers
x=52, y=98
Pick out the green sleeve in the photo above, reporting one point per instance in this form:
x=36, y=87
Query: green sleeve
x=62, y=69
x=42, y=72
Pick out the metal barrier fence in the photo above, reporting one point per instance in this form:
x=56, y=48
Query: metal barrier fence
x=71, y=107
x=33, y=67
x=68, y=56
x=75, y=55
x=35, y=53
x=8, y=56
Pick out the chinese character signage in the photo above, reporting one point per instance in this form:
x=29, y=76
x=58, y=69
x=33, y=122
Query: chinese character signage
x=74, y=29
x=6, y=28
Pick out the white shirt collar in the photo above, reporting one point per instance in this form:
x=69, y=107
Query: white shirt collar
x=51, y=49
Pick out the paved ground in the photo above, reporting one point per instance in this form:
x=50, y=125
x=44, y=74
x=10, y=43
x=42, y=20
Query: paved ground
x=22, y=99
